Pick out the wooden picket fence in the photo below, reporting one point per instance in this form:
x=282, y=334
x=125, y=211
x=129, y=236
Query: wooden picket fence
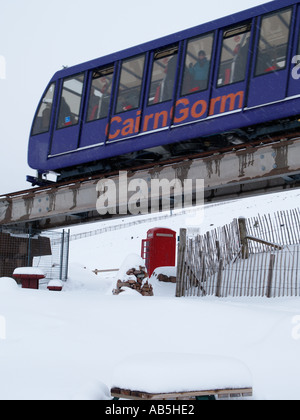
x=254, y=257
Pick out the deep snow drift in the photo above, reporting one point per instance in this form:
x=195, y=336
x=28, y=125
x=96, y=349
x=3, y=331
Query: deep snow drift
x=67, y=345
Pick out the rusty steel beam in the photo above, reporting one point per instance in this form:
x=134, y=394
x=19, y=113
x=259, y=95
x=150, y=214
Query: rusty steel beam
x=247, y=171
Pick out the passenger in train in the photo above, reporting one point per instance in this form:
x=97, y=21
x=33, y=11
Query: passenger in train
x=199, y=71
x=242, y=53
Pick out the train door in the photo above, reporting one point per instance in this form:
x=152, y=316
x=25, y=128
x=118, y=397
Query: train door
x=161, y=83
x=270, y=71
x=294, y=84
x=68, y=119
x=230, y=85
x=125, y=119
x=98, y=107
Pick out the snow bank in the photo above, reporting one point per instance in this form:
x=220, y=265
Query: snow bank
x=166, y=271
x=55, y=283
x=81, y=278
x=33, y=271
x=160, y=288
x=7, y=284
x=127, y=292
x=93, y=391
x=131, y=261
x=171, y=372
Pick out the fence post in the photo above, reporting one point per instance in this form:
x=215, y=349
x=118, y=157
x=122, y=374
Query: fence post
x=243, y=236
x=219, y=282
x=270, y=275
x=180, y=263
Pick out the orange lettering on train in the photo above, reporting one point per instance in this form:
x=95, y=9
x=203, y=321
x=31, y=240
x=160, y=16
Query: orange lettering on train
x=117, y=133
x=164, y=115
x=137, y=122
x=232, y=98
x=213, y=105
x=196, y=112
x=146, y=121
x=128, y=127
x=185, y=110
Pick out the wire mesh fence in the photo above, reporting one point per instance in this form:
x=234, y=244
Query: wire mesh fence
x=48, y=250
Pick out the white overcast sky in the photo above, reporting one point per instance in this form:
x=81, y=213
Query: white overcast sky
x=37, y=37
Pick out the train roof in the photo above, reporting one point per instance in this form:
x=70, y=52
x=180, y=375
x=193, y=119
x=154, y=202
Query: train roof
x=176, y=37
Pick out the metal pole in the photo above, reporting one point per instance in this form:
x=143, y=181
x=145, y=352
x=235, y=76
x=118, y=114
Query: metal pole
x=67, y=255
x=62, y=255
x=29, y=246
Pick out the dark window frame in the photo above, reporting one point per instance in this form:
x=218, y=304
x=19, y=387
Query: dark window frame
x=211, y=64
x=82, y=96
x=118, y=93
x=158, y=54
x=241, y=28
x=265, y=16
x=102, y=71
x=33, y=133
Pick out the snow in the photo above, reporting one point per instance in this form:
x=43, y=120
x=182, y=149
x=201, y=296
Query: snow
x=160, y=288
x=93, y=391
x=7, y=284
x=174, y=372
x=166, y=271
x=55, y=283
x=70, y=345
x=32, y=271
x=131, y=261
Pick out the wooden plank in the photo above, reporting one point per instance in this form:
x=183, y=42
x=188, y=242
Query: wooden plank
x=219, y=281
x=180, y=265
x=261, y=241
x=270, y=275
x=140, y=395
x=243, y=236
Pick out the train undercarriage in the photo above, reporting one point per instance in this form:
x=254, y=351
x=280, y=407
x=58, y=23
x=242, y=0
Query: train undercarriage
x=198, y=147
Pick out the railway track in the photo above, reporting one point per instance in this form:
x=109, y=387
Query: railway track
x=147, y=166
x=267, y=165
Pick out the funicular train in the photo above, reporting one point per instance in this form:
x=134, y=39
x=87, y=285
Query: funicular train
x=219, y=84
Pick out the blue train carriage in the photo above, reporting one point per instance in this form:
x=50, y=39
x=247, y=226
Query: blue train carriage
x=222, y=83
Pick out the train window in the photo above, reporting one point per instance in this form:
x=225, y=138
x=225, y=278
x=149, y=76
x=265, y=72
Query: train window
x=197, y=64
x=130, y=85
x=234, y=56
x=163, y=76
x=70, y=101
x=100, y=94
x=273, y=42
x=42, y=121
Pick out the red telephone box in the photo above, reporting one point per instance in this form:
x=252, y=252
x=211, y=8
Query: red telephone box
x=159, y=249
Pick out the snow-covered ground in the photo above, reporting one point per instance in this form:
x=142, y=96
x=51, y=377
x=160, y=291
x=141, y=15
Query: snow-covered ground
x=67, y=345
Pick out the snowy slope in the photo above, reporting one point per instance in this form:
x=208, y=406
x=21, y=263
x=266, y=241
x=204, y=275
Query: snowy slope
x=108, y=250
x=67, y=345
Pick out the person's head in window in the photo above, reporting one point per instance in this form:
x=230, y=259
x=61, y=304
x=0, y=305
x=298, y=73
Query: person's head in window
x=202, y=57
